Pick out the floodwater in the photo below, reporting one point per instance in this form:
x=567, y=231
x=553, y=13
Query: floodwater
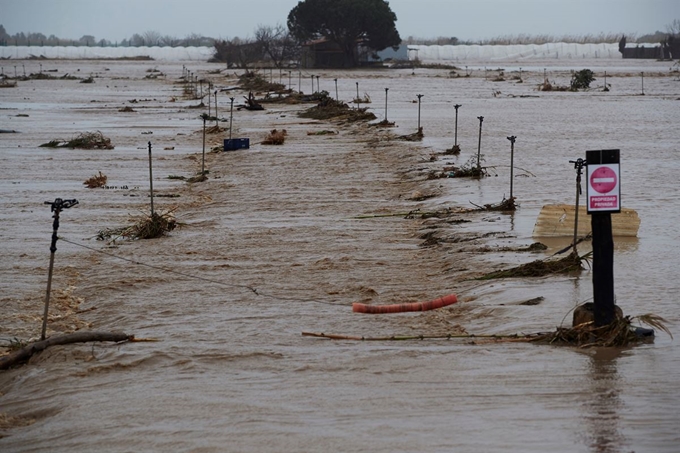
x=271, y=246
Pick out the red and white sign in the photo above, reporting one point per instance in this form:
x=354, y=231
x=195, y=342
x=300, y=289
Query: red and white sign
x=604, y=192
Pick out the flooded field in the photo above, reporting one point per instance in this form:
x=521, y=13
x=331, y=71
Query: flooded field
x=282, y=240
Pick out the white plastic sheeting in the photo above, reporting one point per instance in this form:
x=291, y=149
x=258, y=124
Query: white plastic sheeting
x=560, y=50
x=80, y=52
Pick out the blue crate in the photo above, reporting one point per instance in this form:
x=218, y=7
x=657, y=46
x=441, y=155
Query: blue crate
x=236, y=143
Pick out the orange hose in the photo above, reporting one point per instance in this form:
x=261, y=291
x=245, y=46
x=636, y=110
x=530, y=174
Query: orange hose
x=400, y=308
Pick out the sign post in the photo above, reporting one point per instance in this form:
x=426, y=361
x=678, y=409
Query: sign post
x=603, y=199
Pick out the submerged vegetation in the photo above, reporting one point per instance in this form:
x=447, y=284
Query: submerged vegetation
x=85, y=140
x=144, y=227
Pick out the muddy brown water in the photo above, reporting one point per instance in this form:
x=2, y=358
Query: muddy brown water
x=271, y=246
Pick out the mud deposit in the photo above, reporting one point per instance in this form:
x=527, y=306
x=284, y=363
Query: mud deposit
x=282, y=239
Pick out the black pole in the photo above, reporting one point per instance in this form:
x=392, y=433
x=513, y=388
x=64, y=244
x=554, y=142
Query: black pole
x=603, y=268
x=419, y=97
x=642, y=74
x=386, y=90
x=318, y=87
x=479, y=144
x=231, y=117
x=512, y=139
x=312, y=76
x=455, y=139
x=151, y=180
x=601, y=223
x=358, y=100
x=56, y=207
x=336, y=91
x=290, y=87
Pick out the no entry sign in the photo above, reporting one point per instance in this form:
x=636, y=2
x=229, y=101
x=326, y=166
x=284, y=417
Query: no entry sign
x=604, y=181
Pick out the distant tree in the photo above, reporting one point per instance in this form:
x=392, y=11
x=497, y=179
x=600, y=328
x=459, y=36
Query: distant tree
x=136, y=40
x=152, y=38
x=674, y=27
x=87, y=40
x=346, y=22
x=277, y=44
x=3, y=33
x=236, y=52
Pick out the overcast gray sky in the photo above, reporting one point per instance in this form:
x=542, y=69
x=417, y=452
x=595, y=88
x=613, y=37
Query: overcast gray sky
x=116, y=20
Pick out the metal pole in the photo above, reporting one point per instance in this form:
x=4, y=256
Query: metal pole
x=56, y=207
x=231, y=117
x=512, y=139
x=358, y=100
x=419, y=97
x=479, y=144
x=578, y=166
x=336, y=90
x=312, y=76
x=455, y=136
x=290, y=87
x=216, y=119
x=642, y=74
x=203, y=161
x=299, y=79
x=151, y=180
x=386, y=90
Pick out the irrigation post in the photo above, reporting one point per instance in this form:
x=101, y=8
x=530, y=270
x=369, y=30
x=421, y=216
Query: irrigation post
x=216, y=119
x=290, y=87
x=455, y=136
x=520, y=74
x=419, y=97
x=151, y=180
x=386, y=90
x=299, y=79
x=231, y=116
x=479, y=144
x=642, y=75
x=318, y=87
x=203, y=161
x=336, y=91
x=358, y=100
x=56, y=207
x=312, y=76
x=578, y=166
x=512, y=139
x=201, y=85
x=604, y=198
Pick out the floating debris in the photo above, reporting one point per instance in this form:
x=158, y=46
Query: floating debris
x=86, y=140
x=275, y=137
x=144, y=227
x=96, y=181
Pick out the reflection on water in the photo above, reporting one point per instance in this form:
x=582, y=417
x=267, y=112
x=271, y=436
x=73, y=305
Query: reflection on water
x=603, y=406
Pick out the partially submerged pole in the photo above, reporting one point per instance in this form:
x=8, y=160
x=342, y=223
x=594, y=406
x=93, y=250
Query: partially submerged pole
x=336, y=90
x=479, y=144
x=578, y=166
x=604, y=198
x=216, y=118
x=419, y=98
x=455, y=136
x=203, y=160
x=56, y=207
x=358, y=100
x=642, y=75
x=231, y=117
x=386, y=90
x=512, y=139
x=151, y=180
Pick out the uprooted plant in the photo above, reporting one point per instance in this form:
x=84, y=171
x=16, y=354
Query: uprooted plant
x=96, y=181
x=84, y=140
x=143, y=227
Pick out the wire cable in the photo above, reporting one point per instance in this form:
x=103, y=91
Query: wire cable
x=197, y=277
